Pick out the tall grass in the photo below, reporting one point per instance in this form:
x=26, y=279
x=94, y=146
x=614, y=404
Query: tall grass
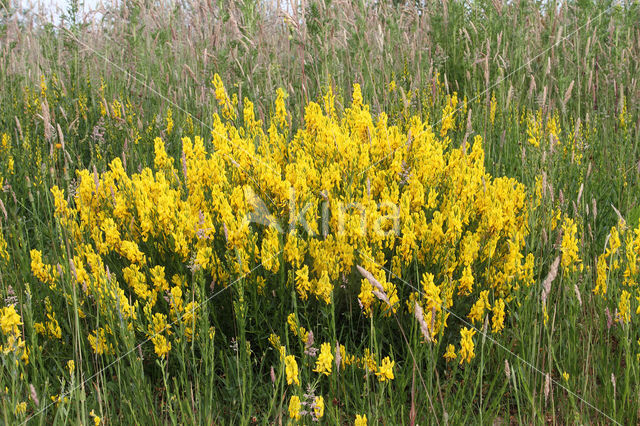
x=552, y=89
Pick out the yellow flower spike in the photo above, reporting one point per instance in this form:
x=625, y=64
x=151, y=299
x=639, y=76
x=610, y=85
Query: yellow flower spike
x=534, y=128
x=624, y=308
x=294, y=407
x=10, y=320
x=291, y=368
x=228, y=109
x=478, y=308
x=96, y=418
x=492, y=108
x=569, y=245
x=169, y=120
x=318, y=407
x=450, y=353
x=601, y=276
x=497, y=321
x=466, y=345
x=324, y=361
x=161, y=345
x=324, y=289
x=281, y=111
x=40, y=270
x=465, y=286
x=448, y=115
x=361, y=420
x=21, y=409
x=161, y=159
x=385, y=371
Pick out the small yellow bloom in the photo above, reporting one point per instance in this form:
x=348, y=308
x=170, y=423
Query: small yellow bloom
x=294, y=407
x=96, y=419
x=161, y=345
x=169, y=121
x=497, y=321
x=565, y=376
x=291, y=367
x=361, y=420
x=466, y=345
x=9, y=320
x=323, y=364
x=450, y=354
x=570, y=258
x=624, y=306
x=318, y=407
x=385, y=371
x=20, y=409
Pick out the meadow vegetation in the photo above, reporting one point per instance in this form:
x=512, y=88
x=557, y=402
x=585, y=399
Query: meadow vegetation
x=337, y=211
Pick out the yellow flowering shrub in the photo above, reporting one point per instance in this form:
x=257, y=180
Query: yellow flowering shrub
x=345, y=190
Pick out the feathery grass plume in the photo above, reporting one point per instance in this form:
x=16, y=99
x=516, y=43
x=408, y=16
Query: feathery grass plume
x=379, y=291
x=419, y=314
x=547, y=387
x=567, y=96
x=546, y=284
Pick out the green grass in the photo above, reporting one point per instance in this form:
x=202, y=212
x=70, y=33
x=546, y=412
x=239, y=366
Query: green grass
x=575, y=61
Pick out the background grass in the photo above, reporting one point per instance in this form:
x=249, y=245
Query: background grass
x=573, y=61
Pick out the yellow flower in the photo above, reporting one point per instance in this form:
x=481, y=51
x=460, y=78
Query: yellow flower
x=161, y=345
x=161, y=159
x=291, y=367
x=534, y=128
x=96, y=419
x=361, y=420
x=10, y=320
x=71, y=366
x=367, y=361
x=492, y=108
x=497, y=321
x=40, y=270
x=302, y=282
x=324, y=288
x=294, y=407
x=478, y=308
x=98, y=342
x=466, y=282
x=448, y=115
x=169, y=121
x=565, y=376
x=450, y=354
x=601, y=276
x=323, y=364
x=318, y=407
x=228, y=110
x=624, y=307
x=20, y=409
x=569, y=245
x=385, y=371
x=466, y=345
x=281, y=110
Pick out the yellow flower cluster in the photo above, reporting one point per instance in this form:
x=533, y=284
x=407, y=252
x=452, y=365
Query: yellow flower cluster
x=617, y=272
x=325, y=359
x=344, y=190
x=291, y=367
x=13, y=343
x=4, y=254
x=570, y=258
